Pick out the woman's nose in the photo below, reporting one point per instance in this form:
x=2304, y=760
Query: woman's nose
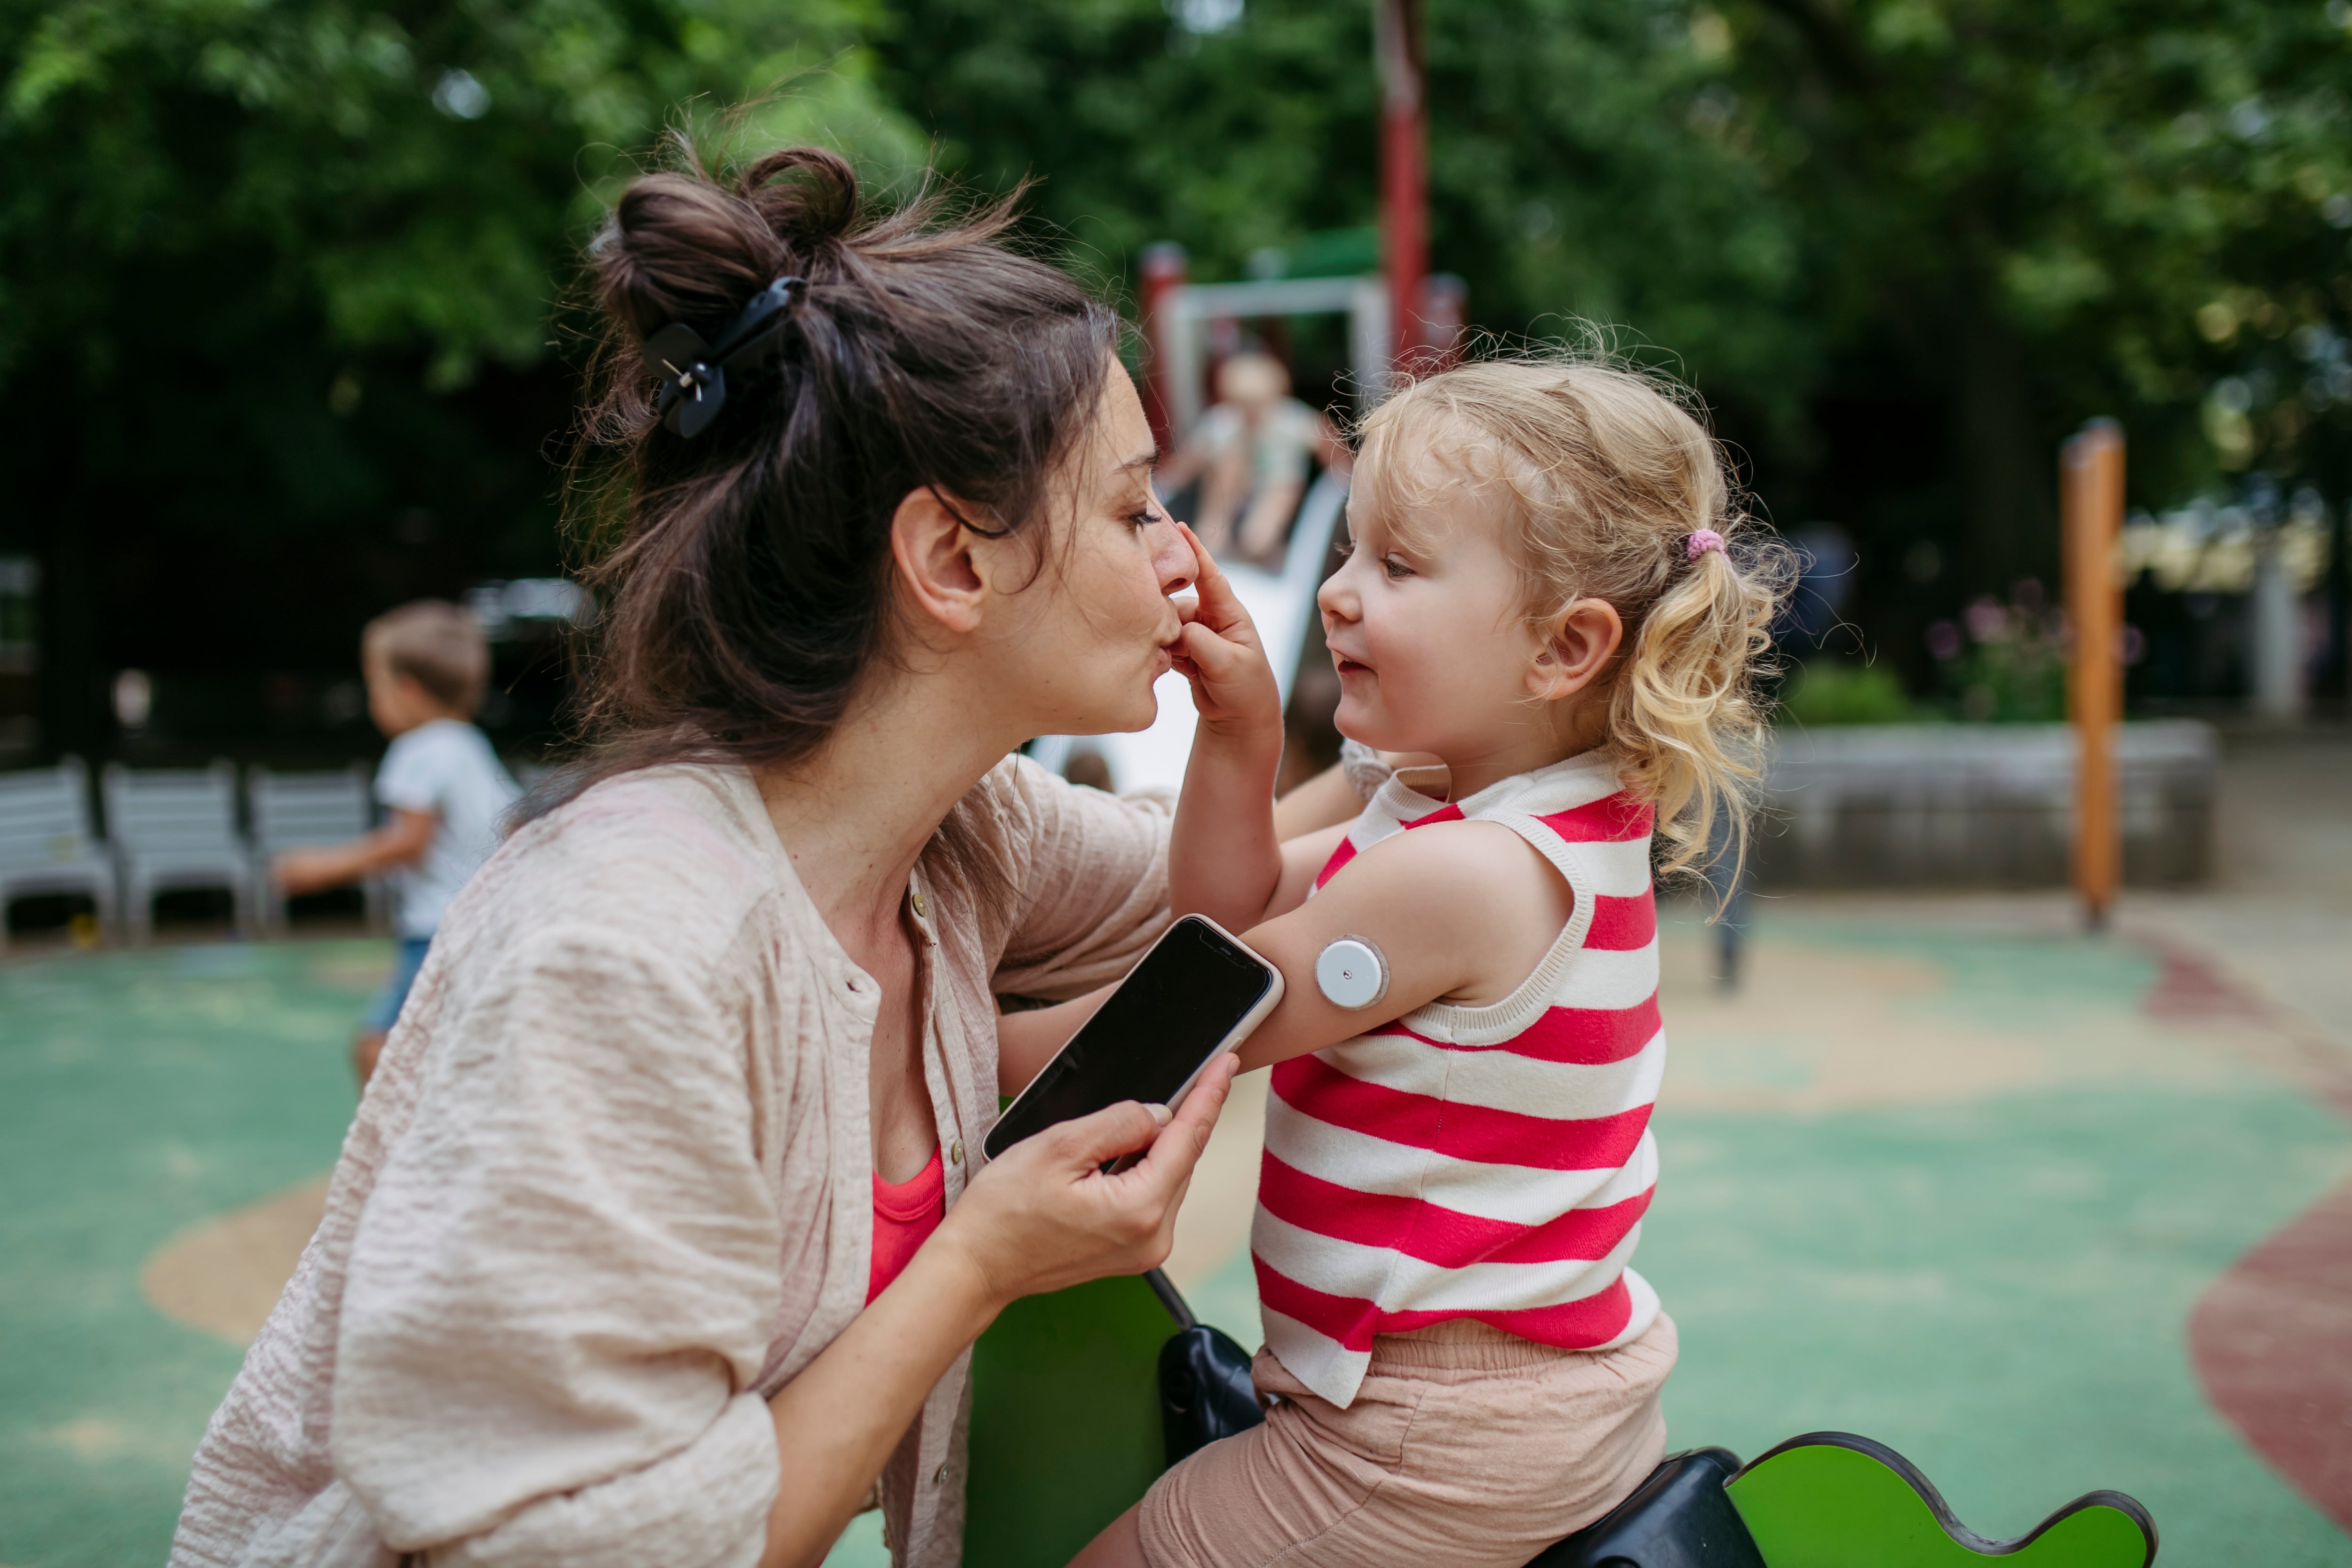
x=1171, y=558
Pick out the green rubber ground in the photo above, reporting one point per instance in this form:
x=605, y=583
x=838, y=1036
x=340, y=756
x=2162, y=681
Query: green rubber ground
x=1995, y=1285
x=141, y=1092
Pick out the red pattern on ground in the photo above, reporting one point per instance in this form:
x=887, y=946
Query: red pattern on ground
x=2272, y=1339
x=2272, y=1342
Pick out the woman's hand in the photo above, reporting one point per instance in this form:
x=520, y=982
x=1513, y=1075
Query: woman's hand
x=1234, y=687
x=1043, y=1216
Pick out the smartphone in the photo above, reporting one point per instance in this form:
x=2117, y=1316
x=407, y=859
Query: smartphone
x=1196, y=992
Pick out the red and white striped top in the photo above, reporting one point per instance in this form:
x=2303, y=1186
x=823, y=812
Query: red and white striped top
x=1488, y=1163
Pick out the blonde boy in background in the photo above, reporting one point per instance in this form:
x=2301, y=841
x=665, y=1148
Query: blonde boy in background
x=444, y=791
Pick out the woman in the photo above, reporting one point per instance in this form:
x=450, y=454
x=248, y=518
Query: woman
x=594, y=1281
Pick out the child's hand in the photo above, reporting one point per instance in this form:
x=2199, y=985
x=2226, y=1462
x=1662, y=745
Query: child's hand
x=303, y=870
x=1233, y=687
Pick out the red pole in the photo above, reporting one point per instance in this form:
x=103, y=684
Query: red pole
x=1163, y=268
x=1404, y=174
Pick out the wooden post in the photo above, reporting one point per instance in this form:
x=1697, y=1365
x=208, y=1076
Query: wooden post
x=2091, y=506
x=1404, y=174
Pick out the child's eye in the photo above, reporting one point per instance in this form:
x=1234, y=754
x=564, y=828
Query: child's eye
x=1395, y=567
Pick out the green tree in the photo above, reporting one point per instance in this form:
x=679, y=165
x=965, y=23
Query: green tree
x=2053, y=210
x=1570, y=175
x=276, y=284
x=1904, y=246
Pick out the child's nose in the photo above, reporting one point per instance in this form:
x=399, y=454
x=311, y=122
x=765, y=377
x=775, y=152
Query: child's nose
x=1336, y=603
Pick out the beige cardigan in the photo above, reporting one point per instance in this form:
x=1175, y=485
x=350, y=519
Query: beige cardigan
x=610, y=1187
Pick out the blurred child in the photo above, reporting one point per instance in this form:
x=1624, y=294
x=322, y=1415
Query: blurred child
x=444, y=791
x=1551, y=590
x=1252, y=454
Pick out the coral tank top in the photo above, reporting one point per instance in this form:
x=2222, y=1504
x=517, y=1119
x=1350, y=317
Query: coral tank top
x=904, y=1214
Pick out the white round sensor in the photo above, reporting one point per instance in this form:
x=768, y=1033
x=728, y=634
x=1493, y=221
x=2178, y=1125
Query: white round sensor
x=1350, y=974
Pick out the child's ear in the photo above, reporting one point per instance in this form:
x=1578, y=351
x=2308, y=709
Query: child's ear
x=1578, y=643
x=412, y=693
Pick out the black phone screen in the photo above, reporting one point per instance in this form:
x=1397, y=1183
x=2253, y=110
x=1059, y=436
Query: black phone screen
x=1150, y=1036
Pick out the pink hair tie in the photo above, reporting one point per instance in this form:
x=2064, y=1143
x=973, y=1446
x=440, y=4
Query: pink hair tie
x=1705, y=540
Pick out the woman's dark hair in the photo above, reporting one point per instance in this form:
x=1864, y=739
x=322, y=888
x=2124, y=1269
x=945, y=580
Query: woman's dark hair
x=746, y=577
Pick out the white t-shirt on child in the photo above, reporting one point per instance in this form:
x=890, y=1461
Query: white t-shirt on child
x=444, y=766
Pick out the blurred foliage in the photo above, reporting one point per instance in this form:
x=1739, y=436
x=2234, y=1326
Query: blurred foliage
x=1828, y=692
x=278, y=284
x=281, y=268
x=1901, y=246
x=1567, y=179
x=414, y=177
x=2075, y=207
x=2003, y=661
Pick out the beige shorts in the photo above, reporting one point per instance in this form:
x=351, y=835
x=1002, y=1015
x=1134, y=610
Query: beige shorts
x=1466, y=1446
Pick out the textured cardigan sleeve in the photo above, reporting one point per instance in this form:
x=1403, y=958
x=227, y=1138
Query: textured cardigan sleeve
x=1089, y=881
x=563, y=1285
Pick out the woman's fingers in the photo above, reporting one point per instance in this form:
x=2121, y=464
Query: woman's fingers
x=1043, y=1216
x=1086, y=1142
x=1168, y=1167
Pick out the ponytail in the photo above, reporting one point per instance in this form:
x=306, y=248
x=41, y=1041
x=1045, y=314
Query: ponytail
x=1686, y=714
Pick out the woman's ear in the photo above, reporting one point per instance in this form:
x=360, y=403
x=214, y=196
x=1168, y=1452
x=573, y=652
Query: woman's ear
x=933, y=553
x=1577, y=643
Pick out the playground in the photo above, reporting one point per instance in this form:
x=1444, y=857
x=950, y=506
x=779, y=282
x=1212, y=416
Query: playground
x=2045, y=1211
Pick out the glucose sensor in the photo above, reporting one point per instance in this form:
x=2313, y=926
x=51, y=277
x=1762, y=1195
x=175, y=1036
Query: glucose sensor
x=1351, y=974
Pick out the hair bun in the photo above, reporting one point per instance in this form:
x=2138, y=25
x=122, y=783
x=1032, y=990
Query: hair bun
x=806, y=196
x=682, y=247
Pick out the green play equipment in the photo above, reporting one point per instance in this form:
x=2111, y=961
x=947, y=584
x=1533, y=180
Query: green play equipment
x=1831, y=1499
x=1066, y=1425
x=1079, y=1397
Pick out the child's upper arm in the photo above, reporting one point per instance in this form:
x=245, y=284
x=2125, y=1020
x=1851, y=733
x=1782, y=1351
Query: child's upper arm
x=1464, y=911
x=1027, y=1040
x=1302, y=858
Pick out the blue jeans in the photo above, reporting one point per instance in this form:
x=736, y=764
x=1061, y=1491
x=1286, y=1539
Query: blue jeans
x=385, y=1011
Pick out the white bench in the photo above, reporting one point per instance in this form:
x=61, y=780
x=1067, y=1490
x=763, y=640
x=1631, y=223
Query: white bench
x=46, y=842
x=1977, y=804
x=174, y=828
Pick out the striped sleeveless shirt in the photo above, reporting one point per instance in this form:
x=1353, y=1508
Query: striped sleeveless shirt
x=1487, y=1162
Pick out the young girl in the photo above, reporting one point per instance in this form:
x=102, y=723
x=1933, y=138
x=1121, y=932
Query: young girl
x=1551, y=590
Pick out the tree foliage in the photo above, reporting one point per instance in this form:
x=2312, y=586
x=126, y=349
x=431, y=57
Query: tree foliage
x=279, y=283
x=1905, y=245
x=289, y=269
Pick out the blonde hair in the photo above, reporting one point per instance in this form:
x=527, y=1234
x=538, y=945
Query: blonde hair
x=436, y=644
x=1608, y=474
